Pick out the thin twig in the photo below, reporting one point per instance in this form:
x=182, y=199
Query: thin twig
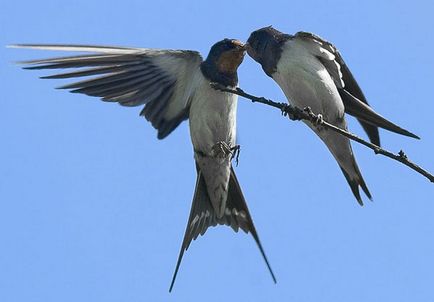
x=295, y=113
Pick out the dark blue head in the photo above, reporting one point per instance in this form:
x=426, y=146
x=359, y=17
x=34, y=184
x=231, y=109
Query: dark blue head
x=223, y=60
x=265, y=47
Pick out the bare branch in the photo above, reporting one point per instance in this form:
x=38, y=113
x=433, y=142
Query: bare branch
x=295, y=113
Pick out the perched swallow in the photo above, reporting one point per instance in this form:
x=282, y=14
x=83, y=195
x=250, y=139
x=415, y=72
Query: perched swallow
x=312, y=73
x=174, y=85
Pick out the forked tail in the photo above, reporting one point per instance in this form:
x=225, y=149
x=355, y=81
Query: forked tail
x=202, y=216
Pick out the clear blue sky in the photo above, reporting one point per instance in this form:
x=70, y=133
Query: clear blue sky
x=93, y=207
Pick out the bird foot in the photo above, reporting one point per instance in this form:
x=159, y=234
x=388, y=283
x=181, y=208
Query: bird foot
x=316, y=119
x=319, y=120
x=221, y=149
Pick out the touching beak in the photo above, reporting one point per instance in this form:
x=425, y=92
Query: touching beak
x=240, y=45
x=248, y=49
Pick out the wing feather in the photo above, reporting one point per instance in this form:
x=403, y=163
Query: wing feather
x=352, y=96
x=162, y=80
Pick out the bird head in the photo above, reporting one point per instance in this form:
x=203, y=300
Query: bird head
x=265, y=46
x=222, y=62
x=227, y=55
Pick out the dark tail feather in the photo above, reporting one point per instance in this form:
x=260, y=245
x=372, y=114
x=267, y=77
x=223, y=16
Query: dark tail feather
x=356, y=182
x=236, y=201
x=201, y=209
x=202, y=216
x=372, y=132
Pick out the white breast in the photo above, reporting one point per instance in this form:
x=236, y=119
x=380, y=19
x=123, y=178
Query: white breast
x=212, y=117
x=306, y=82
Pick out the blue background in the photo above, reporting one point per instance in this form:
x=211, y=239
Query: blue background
x=93, y=207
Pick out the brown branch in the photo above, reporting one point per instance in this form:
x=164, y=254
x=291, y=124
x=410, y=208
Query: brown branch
x=295, y=113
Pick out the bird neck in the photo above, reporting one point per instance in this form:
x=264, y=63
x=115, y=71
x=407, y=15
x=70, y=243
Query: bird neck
x=272, y=52
x=212, y=73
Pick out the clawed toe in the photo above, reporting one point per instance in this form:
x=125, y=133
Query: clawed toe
x=222, y=150
x=236, y=153
x=316, y=119
x=319, y=120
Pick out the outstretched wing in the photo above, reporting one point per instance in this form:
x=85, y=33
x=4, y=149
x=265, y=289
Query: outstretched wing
x=162, y=80
x=352, y=96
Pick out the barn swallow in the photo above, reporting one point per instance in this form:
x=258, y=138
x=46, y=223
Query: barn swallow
x=312, y=73
x=173, y=86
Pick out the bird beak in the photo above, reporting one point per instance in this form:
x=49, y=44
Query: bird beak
x=248, y=48
x=240, y=45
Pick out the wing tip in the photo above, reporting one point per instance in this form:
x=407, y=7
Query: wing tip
x=410, y=134
x=15, y=46
x=403, y=131
x=24, y=45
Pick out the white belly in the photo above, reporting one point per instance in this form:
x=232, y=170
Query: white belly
x=213, y=124
x=212, y=117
